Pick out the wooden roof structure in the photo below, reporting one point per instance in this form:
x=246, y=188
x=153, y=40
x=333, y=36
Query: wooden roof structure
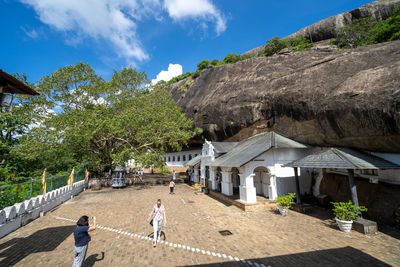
x=11, y=85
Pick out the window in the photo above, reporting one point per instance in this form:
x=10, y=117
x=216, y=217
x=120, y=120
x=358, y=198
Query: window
x=184, y=157
x=190, y=157
x=173, y=158
x=179, y=158
x=169, y=158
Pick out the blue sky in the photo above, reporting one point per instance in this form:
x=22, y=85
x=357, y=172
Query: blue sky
x=39, y=36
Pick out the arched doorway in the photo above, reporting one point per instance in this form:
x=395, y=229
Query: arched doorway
x=218, y=179
x=261, y=180
x=235, y=180
x=207, y=174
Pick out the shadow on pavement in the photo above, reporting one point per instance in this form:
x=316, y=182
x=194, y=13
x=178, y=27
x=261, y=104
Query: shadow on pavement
x=92, y=259
x=43, y=240
x=345, y=256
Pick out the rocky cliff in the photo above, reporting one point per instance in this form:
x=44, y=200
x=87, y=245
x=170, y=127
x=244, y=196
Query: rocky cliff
x=328, y=28
x=322, y=97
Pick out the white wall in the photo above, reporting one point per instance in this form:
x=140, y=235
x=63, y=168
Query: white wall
x=274, y=159
x=181, y=162
x=13, y=217
x=391, y=176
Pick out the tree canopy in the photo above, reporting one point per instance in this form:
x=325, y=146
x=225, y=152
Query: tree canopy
x=103, y=123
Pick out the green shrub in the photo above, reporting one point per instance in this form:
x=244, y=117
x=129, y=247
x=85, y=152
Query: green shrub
x=247, y=56
x=204, y=64
x=368, y=31
x=163, y=170
x=179, y=78
x=286, y=201
x=274, y=45
x=299, y=44
x=231, y=58
x=196, y=74
x=214, y=62
x=357, y=34
x=346, y=211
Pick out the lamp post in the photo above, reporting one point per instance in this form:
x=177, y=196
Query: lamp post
x=119, y=177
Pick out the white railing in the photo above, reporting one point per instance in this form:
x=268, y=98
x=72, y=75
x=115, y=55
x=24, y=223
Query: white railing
x=13, y=217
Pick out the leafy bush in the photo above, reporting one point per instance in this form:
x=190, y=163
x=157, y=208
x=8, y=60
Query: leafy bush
x=204, y=64
x=214, y=62
x=196, y=74
x=346, y=211
x=274, y=45
x=179, y=78
x=286, y=201
x=368, y=31
x=357, y=34
x=163, y=170
x=299, y=44
x=231, y=58
x=388, y=30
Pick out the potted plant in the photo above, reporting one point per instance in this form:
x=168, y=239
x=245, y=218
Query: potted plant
x=285, y=202
x=345, y=213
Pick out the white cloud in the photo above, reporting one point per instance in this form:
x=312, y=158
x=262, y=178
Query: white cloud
x=185, y=9
x=112, y=20
x=166, y=75
x=33, y=34
x=116, y=21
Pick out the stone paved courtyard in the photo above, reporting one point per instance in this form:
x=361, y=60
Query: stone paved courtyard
x=194, y=221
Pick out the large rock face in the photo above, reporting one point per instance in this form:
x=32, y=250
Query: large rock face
x=321, y=97
x=328, y=28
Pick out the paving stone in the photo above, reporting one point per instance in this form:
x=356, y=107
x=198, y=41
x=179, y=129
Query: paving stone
x=259, y=237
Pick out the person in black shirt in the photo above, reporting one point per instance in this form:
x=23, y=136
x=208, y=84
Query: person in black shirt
x=82, y=239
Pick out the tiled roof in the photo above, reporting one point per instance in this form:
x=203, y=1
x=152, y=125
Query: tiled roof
x=249, y=149
x=342, y=158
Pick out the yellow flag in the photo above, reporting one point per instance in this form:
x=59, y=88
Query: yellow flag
x=71, y=177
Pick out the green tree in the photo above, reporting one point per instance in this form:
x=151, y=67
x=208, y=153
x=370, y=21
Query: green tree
x=203, y=64
x=357, y=34
x=274, y=45
x=231, y=58
x=106, y=123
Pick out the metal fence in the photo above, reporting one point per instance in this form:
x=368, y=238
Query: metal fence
x=15, y=193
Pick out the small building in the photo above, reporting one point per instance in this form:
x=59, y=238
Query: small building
x=176, y=161
x=251, y=167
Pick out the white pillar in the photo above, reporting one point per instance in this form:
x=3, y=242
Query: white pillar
x=227, y=186
x=247, y=189
x=202, y=174
x=272, y=192
x=318, y=174
x=212, y=182
x=196, y=175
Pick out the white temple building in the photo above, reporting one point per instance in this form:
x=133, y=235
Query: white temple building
x=251, y=167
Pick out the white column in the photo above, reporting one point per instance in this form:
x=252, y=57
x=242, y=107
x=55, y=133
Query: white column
x=226, y=184
x=272, y=192
x=318, y=174
x=196, y=175
x=212, y=182
x=247, y=189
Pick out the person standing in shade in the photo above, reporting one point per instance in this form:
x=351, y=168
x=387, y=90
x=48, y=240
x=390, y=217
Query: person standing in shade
x=158, y=214
x=171, y=187
x=174, y=175
x=82, y=239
